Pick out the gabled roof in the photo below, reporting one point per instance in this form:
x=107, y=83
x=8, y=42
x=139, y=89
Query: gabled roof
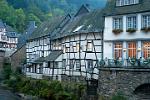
x=40, y=60
x=90, y=22
x=53, y=55
x=46, y=27
x=111, y=9
x=66, y=25
x=23, y=38
x=12, y=35
x=82, y=10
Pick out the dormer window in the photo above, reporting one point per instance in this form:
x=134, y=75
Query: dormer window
x=126, y=2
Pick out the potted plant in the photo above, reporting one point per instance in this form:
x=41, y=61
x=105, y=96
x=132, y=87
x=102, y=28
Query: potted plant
x=117, y=31
x=132, y=61
x=131, y=30
x=146, y=29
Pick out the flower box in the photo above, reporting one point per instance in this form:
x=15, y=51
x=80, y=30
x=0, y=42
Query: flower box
x=131, y=30
x=146, y=29
x=117, y=31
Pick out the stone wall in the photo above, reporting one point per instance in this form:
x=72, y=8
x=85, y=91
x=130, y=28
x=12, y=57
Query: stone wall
x=18, y=57
x=126, y=81
x=2, y=55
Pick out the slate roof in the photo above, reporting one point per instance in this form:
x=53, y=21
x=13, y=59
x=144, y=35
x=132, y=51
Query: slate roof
x=11, y=32
x=46, y=28
x=111, y=9
x=53, y=55
x=12, y=35
x=80, y=23
x=90, y=22
x=23, y=38
x=83, y=9
x=40, y=60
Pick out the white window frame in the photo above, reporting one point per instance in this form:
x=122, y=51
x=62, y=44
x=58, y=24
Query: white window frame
x=118, y=47
x=89, y=45
x=118, y=23
x=126, y=2
x=71, y=63
x=77, y=64
x=131, y=22
x=90, y=65
x=146, y=21
x=64, y=63
x=146, y=49
x=133, y=50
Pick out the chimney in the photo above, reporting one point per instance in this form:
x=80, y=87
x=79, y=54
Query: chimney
x=32, y=24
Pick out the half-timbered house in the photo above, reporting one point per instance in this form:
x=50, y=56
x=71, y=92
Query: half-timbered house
x=75, y=47
x=8, y=38
x=38, y=47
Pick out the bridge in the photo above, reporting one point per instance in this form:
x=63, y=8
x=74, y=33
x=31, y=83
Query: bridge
x=132, y=81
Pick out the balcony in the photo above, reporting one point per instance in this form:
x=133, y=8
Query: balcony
x=125, y=63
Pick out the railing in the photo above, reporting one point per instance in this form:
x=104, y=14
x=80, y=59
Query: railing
x=125, y=63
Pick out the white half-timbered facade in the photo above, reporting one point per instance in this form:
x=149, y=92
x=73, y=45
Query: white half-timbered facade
x=8, y=38
x=74, y=48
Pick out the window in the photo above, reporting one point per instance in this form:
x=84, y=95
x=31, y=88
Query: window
x=131, y=22
x=117, y=23
x=89, y=46
x=56, y=65
x=118, y=50
x=145, y=21
x=90, y=65
x=77, y=47
x=119, y=2
x=71, y=63
x=78, y=65
x=126, y=2
x=64, y=63
x=40, y=69
x=146, y=49
x=132, y=49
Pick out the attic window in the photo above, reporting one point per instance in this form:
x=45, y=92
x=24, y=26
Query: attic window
x=78, y=28
x=126, y=2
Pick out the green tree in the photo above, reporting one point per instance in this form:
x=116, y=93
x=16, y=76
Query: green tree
x=20, y=19
x=32, y=17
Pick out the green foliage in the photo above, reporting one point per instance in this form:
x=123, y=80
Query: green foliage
x=6, y=72
x=51, y=90
x=17, y=13
x=118, y=96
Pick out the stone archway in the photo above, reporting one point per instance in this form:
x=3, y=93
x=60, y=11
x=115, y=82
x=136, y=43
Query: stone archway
x=142, y=92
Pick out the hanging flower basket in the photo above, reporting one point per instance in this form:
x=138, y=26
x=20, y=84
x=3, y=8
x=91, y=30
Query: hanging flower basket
x=117, y=31
x=131, y=30
x=146, y=29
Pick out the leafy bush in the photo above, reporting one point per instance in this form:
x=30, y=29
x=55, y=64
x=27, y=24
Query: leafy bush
x=6, y=72
x=118, y=96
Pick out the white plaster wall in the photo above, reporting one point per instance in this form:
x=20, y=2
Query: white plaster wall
x=109, y=35
x=34, y=75
x=108, y=50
